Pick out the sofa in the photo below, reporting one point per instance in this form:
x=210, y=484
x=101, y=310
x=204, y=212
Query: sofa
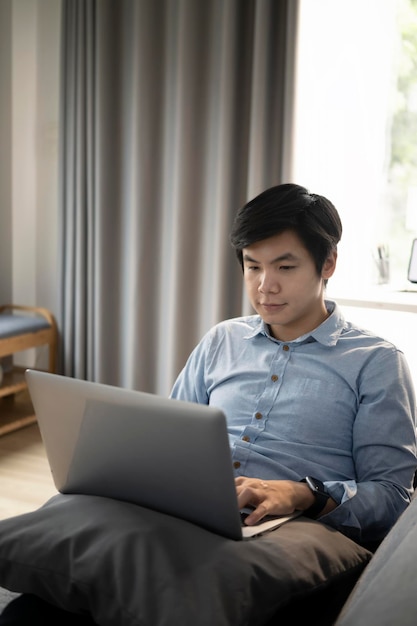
x=129, y=566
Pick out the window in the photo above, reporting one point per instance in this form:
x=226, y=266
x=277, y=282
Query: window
x=355, y=137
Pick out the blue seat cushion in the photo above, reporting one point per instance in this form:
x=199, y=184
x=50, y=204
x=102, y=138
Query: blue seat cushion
x=12, y=325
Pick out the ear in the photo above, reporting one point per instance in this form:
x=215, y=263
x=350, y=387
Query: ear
x=329, y=265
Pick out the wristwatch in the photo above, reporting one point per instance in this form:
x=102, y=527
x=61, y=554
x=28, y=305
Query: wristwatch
x=320, y=494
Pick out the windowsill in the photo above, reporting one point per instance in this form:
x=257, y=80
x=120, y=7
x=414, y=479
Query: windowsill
x=403, y=298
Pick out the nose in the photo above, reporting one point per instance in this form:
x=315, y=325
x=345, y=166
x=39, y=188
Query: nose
x=268, y=283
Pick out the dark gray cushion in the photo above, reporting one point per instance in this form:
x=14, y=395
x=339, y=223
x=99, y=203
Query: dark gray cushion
x=6, y=596
x=129, y=566
x=385, y=594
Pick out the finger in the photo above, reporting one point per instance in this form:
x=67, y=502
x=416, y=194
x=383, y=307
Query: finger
x=246, y=497
x=251, y=493
x=253, y=482
x=257, y=514
x=242, y=482
x=253, y=486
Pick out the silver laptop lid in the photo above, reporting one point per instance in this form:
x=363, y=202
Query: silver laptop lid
x=165, y=454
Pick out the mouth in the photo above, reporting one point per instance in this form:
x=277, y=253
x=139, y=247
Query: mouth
x=272, y=307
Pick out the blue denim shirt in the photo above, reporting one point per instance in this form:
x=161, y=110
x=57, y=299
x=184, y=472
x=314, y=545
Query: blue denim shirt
x=337, y=404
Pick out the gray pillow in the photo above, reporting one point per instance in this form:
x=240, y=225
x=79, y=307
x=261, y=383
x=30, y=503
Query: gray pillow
x=129, y=566
x=6, y=596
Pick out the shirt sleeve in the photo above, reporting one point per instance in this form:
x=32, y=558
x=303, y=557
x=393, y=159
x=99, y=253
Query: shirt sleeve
x=384, y=452
x=190, y=384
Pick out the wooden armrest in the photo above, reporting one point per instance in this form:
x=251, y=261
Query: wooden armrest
x=31, y=339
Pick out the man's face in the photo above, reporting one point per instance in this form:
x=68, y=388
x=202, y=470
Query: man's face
x=283, y=285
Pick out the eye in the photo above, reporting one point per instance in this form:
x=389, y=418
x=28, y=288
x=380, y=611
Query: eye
x=287, y=267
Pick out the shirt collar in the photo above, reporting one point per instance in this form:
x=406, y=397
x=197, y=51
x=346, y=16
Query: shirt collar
x=327, y=333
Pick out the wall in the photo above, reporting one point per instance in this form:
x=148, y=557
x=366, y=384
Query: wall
x=29, y=107
x=6, y=150
x=29, y=99
x=24, y=157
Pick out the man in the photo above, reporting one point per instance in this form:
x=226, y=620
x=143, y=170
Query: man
x=321, y=414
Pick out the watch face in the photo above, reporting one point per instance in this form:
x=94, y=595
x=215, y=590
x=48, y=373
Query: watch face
x=315, y=485
x=320, y=495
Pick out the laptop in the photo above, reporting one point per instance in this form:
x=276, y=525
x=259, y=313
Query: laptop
x=163, y=454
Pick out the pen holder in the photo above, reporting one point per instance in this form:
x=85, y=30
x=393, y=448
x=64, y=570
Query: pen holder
x=383, y=270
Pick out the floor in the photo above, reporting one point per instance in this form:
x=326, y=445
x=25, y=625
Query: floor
x=25, y=479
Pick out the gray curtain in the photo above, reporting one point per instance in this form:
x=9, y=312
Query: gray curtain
x=173, y=114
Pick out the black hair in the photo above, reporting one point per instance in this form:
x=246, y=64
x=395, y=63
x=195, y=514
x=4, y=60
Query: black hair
x=289, y=207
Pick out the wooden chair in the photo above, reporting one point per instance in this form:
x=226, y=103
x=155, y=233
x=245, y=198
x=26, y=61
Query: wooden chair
x=22, y=328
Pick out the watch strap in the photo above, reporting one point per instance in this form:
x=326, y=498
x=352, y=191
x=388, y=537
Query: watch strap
x=320, y=495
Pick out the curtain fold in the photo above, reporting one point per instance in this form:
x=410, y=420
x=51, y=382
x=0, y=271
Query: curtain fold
x=174, y=113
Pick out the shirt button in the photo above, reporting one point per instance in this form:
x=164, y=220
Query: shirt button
x=274, y=378
x=236, y=464
x=245, y=438
x=258, y=416
x=285, y=348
